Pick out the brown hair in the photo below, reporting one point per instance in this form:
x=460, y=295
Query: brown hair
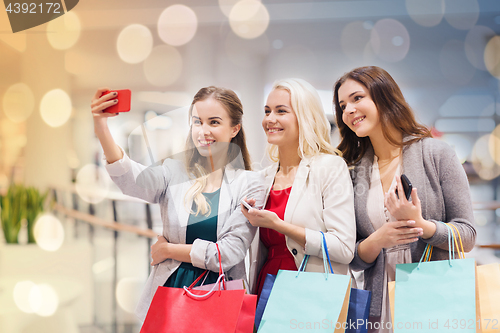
x=392, y=108
x=196, y=164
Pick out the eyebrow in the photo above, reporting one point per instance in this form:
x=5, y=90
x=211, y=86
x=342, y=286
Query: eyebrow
x=208, y=118
x=279, y=106
x=357, y=91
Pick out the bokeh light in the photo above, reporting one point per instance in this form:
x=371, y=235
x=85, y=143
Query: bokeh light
x=21, y=295
x=390, y=40
x=427, y=13
x=249, y=19
x=128, y=292
x=460, y=143
x=461, y=14
x=49, y=301
x=134, y=43
x=494, y=145
x=41, y=299
x=163, y=66
x=454, y=64
x=177, y=25
x=18, y=102
x=55, y=108
x=354, y=38
x=482, y=161
x=49, y=232
x=244, y=52
x=92, y=183
x=64, y=31
x=475, y=44
x=226, y=6
x=492, y=56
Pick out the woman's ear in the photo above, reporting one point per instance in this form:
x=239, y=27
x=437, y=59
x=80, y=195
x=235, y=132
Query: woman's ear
x=236, y=129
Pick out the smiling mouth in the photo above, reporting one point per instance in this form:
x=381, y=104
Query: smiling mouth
x=274, y=130
x=205, y=143
x=354, y=123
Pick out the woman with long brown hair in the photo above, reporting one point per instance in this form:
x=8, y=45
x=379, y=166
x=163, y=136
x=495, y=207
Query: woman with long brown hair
x=381, y=140
x=198, y=196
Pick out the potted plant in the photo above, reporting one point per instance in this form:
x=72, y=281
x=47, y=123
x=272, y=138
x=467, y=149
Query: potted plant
x=20, y=203
x=13, y=209
x=34, y=206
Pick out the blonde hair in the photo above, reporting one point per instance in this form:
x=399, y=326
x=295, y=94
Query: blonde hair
x=196, y=164
x=314, y=128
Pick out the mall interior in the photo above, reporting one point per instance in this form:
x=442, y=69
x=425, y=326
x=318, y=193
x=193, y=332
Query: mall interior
x=84, y=269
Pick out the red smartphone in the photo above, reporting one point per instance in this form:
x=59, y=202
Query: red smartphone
x=123, y=104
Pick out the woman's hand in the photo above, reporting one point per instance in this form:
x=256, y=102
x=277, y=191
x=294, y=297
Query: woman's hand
x=99, y=105
x=396, y=233
x=390, y=234
x=402, y=209
x=260, y=218
x=159, y=251
x=267, y=219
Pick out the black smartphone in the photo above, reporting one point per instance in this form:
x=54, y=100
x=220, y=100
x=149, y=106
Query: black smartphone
x=407, y=187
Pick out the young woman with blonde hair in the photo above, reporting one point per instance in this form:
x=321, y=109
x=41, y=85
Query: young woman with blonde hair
x=199, y=196
x=308, y=188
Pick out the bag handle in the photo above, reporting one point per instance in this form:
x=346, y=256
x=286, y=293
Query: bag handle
x=452, y=243
x=220, y=280
x=461, y=252
x=326, y=259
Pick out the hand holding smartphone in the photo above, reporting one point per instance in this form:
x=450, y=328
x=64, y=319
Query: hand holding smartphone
x=124, y=99
x=407, y=187
x=245, y=204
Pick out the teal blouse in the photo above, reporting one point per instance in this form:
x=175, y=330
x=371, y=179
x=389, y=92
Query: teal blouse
x=202, y=227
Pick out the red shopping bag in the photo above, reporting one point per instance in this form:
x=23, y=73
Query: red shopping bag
x=192, y=311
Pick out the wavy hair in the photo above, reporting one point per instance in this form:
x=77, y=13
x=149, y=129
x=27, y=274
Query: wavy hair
x=196, y=164
x=393, y=110
x=314, y=128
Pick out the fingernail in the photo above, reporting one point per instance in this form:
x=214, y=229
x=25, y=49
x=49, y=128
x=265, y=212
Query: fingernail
x=116, y=113
x=116, y=101
x=115, y=93
x=411, y=222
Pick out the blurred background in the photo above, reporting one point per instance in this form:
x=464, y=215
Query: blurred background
x=75, y=252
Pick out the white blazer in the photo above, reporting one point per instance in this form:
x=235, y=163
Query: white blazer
x=321, y=199
x=167, y=185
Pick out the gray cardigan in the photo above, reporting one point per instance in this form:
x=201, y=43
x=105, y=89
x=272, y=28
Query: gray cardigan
x=443, y=189
x=167, y=185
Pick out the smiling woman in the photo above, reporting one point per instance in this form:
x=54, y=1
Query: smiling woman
x=195, y=195
x=381, y=139
x=308, y=188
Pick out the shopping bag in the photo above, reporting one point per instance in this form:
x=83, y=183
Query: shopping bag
x=307, y=301
x=359, y=305
x=192, y=311
x=264, y=296
x=489, y=297
x=359, y=310
x=436, y=296
x=229, y=285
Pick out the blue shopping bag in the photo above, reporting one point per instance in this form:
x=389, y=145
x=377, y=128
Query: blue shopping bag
x=359, y=310
x=436, y=296
x=359, y=305
x=264, y=296
x=307, y=301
